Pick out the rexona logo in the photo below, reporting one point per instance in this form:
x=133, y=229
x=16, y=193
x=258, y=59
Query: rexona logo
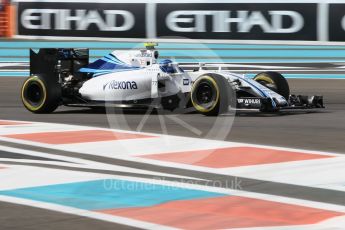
x=125, y=85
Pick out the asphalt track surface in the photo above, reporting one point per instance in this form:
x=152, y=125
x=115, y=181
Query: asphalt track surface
x=322, y=130
x=316, y=130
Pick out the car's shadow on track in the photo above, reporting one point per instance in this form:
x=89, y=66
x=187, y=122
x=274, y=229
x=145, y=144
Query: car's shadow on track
x=277, y=114
x=159, y=112
x=112, y=111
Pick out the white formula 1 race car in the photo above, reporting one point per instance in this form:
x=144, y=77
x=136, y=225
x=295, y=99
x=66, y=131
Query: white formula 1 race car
x=135, y=78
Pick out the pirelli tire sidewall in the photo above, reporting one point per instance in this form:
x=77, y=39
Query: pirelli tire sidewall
x=40, y=95
x=221, y=95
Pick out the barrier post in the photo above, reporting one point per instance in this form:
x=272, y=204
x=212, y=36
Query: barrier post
x=7, y=21
x=10, y=12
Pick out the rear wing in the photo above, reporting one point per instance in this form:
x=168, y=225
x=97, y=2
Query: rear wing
x=48, y=62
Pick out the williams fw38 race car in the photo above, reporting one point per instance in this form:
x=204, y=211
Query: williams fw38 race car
x=136, y=78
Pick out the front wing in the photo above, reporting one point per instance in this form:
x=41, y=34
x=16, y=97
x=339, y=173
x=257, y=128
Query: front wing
x=294, y=102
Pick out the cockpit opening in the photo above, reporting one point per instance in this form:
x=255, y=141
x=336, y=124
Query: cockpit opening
x=168, y=66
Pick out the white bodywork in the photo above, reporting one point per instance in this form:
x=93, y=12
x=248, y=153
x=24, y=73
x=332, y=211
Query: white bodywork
x=134, y=85
x=142, y=82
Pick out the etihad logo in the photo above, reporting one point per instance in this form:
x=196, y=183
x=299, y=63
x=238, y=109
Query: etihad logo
x=125, y=85
x=79, y=19
x=196, y=21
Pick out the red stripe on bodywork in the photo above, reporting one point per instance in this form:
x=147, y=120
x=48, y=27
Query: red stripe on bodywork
x=234, y=157
x=225, y=212
x=72, y=137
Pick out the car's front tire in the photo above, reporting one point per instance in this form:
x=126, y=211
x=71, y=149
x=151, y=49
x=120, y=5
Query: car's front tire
x=211, y=95
x=274, y=81
x=39, y=95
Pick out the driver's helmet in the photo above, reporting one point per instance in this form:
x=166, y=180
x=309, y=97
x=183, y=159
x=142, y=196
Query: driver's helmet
x=167, y=66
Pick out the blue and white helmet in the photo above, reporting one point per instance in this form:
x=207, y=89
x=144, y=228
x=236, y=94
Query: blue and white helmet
x=168, y=66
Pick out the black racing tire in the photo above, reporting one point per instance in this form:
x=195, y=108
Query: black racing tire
x=40, y=96
x=211, y=95
x=274, y=81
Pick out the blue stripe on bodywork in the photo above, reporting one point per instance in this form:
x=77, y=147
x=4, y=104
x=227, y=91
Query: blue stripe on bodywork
x=261, y=91
x=108, y=194
x=107, y=64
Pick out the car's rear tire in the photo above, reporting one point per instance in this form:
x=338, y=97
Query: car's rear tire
x=211, y=95
x=39, y=95
x=274, y=81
